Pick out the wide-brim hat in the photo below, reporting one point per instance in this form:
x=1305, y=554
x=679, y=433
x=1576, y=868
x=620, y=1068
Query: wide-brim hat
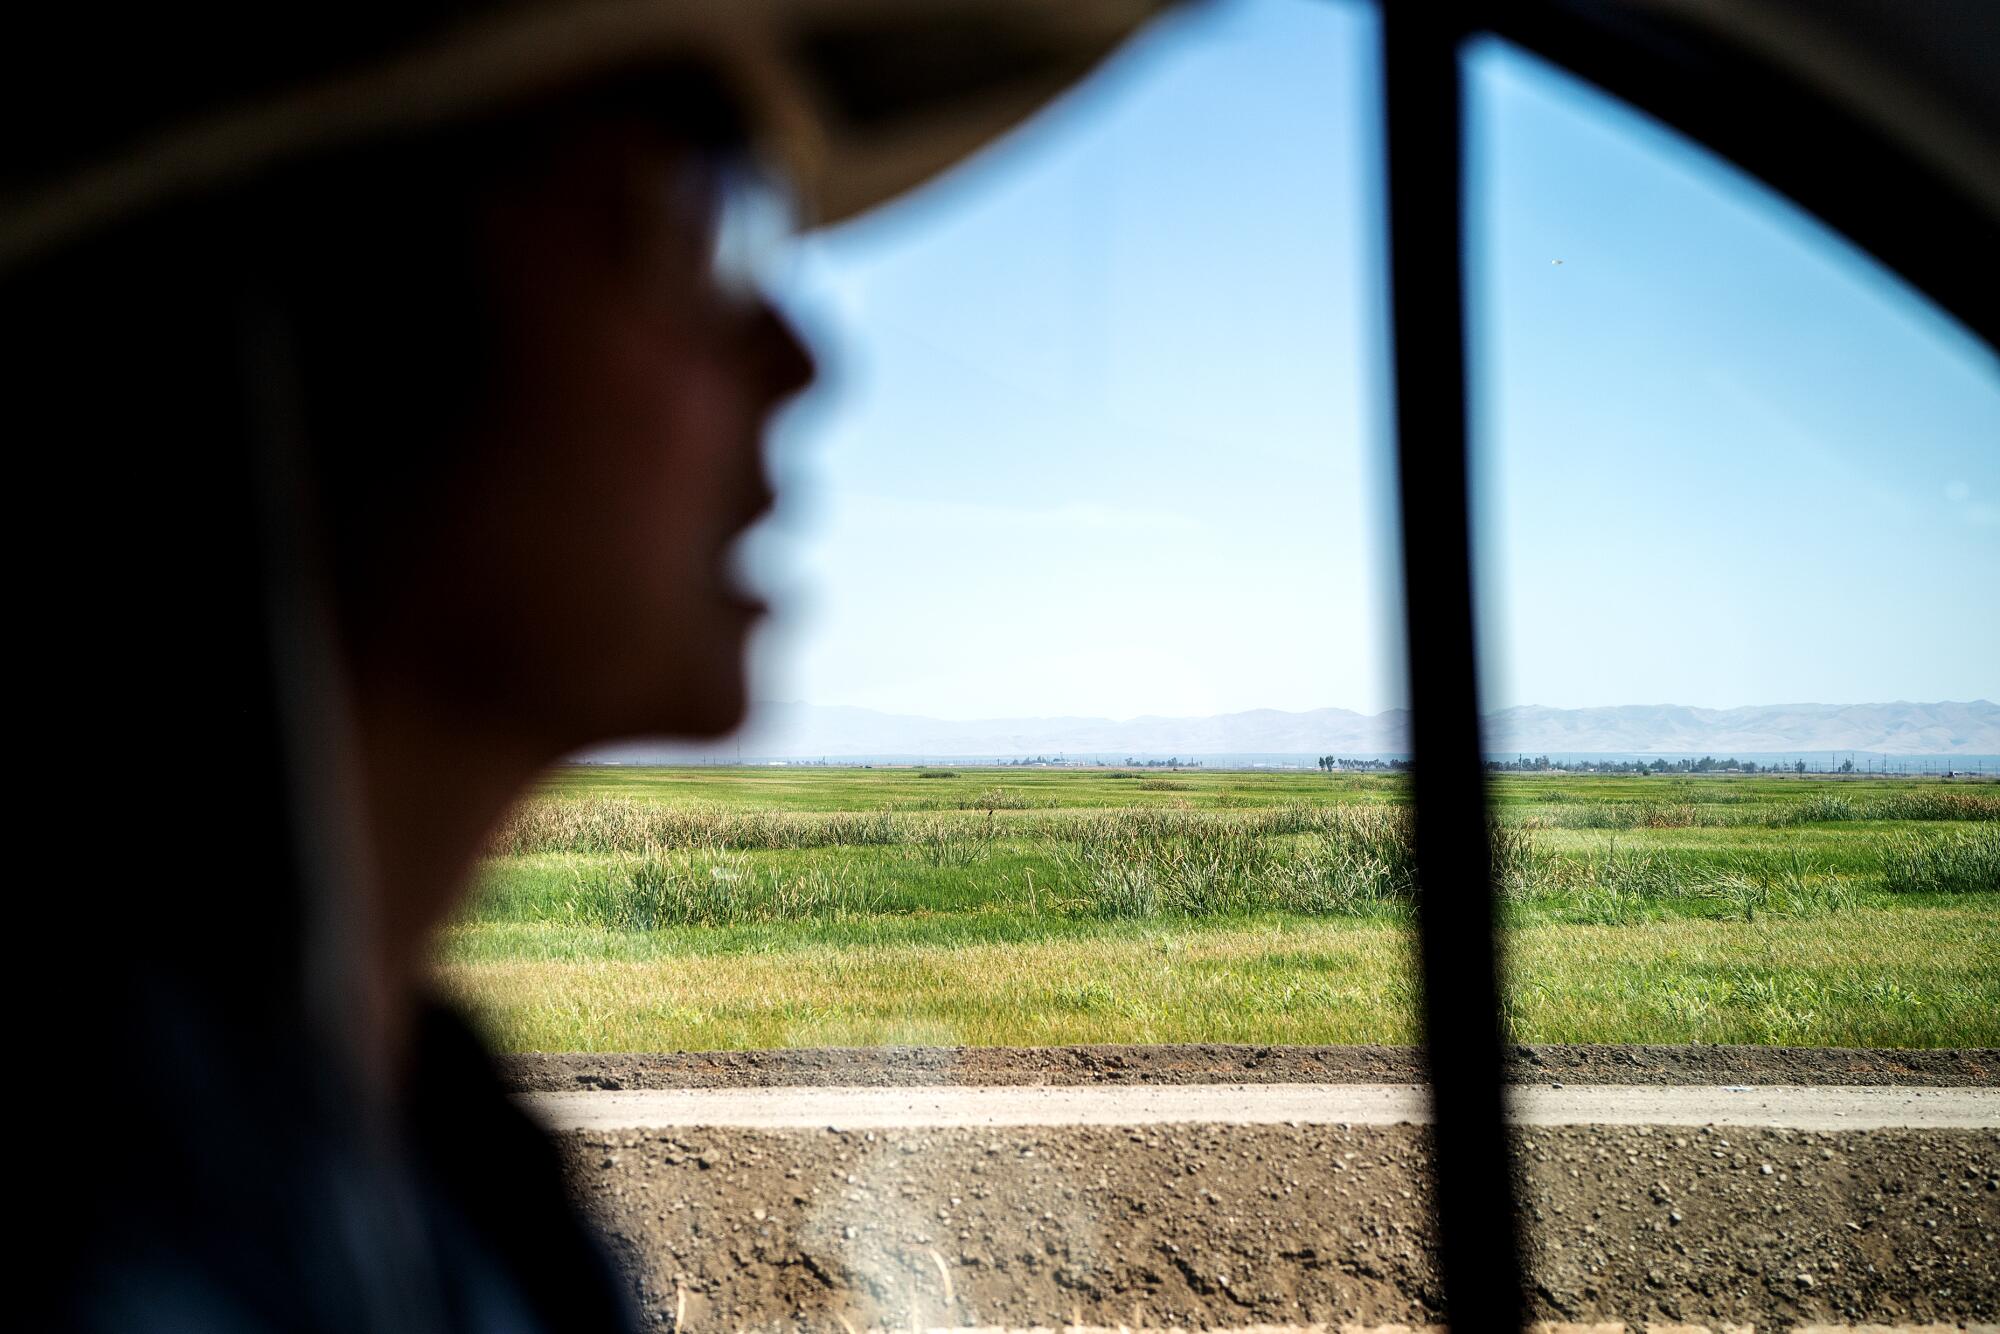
x=857, y=100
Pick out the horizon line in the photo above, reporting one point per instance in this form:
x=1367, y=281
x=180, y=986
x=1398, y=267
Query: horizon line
x=1397, y=708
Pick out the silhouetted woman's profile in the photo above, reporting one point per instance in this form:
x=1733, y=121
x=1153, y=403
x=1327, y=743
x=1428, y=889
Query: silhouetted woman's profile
x=387, y=388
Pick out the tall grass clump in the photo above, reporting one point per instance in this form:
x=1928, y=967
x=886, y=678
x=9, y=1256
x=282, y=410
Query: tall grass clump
x=1630, y=815
x=1960, y=863
x=1601, y=887
x=1517, y=862
x=1646, y=874
x=944, y=842
x=1923, y=804
x=1937, y=804
x=1800, y=888
x=1820, y=809
x=1368, y=866
x=1158, y=864
x=1617, y=885
x=1312, y=860
x=1614, y=886
x=1143, y=864
x=624, y=824
x=664, y=887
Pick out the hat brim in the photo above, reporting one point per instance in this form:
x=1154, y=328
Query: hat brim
x=859, y=100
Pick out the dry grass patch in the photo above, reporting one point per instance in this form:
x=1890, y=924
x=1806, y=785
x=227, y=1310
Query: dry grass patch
x=1267, y=983
x=1868, y=978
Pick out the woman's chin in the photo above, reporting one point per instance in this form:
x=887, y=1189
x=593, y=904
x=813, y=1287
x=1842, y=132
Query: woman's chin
x=708, y=702
x=697, y=687
x=724, y=717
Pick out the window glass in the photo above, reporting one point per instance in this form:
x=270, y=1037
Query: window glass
x=1738, y=522
x=1078, y=758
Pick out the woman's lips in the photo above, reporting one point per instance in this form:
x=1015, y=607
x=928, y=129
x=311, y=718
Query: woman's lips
x=755, y=499
x=738, y=590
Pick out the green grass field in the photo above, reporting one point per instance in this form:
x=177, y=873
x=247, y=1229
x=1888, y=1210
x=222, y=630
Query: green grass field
x=634, y=909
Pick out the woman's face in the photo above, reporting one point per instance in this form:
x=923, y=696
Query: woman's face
x=579, y=583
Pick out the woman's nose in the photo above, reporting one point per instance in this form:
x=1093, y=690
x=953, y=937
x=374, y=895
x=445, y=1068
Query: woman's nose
x=785, y=363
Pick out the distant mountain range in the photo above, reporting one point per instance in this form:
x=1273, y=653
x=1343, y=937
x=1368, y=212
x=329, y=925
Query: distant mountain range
x=801, y=731
x=1902, y=728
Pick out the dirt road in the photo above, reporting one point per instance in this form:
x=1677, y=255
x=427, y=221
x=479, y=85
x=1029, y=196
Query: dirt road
x=1814, y=1107
x=1202, y=1224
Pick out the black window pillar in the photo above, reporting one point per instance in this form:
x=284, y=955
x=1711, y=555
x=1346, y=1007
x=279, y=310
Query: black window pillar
x=1478, y=1244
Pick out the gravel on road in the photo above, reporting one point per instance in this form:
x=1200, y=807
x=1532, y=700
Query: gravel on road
x=1228, y=1226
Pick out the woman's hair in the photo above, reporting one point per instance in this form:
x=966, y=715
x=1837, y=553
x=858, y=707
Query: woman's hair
x=230, y=419
x=216, y=408
x=281, y=373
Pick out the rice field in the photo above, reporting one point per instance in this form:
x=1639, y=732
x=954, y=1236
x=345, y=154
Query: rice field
x=625, y=909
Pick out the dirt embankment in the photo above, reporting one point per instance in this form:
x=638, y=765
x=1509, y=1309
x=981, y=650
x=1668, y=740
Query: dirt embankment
x=1224, y=1064
x=1206, y=1226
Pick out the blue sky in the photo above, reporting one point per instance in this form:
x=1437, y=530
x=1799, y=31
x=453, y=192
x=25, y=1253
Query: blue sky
x=1103, y=426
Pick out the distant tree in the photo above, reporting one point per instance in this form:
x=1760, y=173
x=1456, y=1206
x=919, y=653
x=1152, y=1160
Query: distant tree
x=1800, y=766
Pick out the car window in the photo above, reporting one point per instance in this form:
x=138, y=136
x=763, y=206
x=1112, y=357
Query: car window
x=1039, y=951
x=1079, y=757
x=1738, y=527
